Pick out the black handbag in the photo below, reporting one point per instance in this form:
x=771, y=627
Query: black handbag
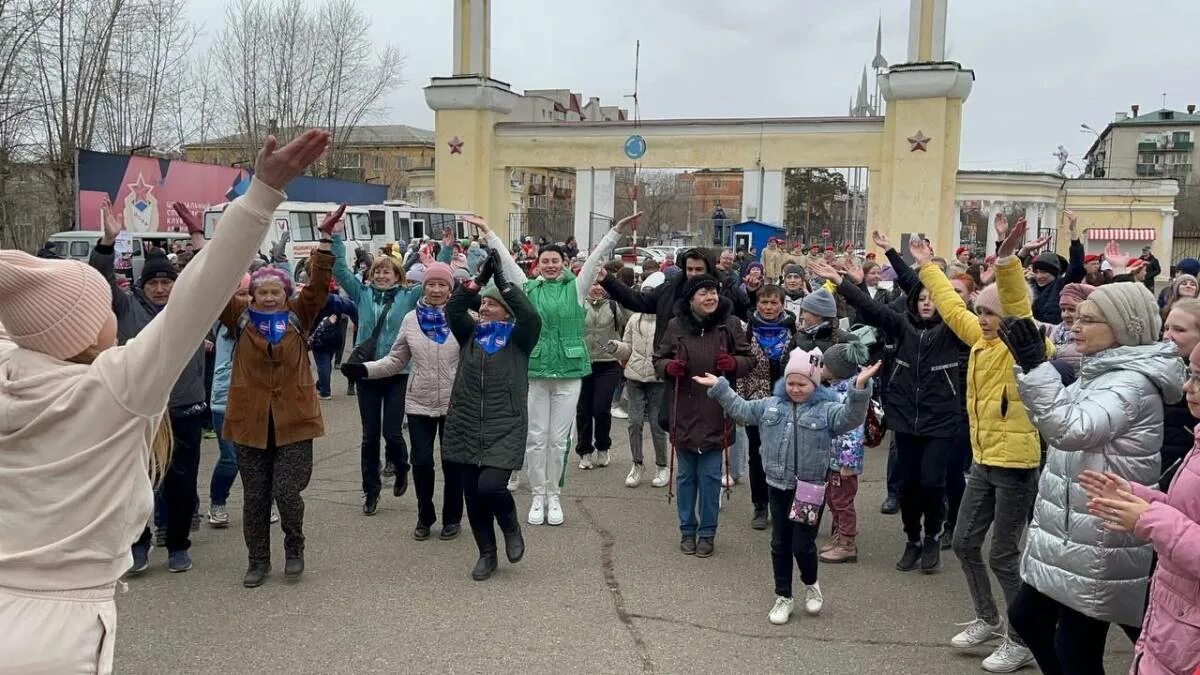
x=365, y=351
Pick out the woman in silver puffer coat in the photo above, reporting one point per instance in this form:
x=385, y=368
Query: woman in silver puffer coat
x=1078, y=577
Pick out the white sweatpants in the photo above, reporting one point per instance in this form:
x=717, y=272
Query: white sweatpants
x=551, y=416
x=59, y=633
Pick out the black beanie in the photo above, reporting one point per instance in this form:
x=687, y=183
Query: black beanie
x=698, y=282
x=157, y=266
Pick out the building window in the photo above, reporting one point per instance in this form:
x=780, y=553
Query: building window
x=378, y=162
x=717, y=183
x=1182, y=136
x=402, y=162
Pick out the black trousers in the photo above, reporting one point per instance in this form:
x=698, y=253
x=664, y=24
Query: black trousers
x=381, y=410
x=179, y=482
x=488, y=502
x=279, y=474
x=1063, y=641
x=758, y=477
x=956, y=472
x=593, y=413
x=423, y=431
x=922, y=461
x=893, y=470
x=791, y=541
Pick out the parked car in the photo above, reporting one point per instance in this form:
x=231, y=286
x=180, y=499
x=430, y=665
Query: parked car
x=77, y=244
x=634, y=259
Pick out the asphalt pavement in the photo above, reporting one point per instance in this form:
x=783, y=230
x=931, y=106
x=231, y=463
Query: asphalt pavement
x=606, y=592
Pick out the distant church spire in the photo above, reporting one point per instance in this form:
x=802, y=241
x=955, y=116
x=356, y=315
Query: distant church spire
x=879, y=61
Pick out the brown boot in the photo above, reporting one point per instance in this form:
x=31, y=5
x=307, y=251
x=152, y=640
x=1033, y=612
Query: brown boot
x=844, y=552
x=832, y=544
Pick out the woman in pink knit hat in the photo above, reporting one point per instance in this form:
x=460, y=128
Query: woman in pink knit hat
x=81, y=421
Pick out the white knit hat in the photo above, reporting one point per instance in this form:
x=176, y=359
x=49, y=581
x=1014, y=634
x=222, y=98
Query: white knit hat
x=1131, y=311
x=56, y=307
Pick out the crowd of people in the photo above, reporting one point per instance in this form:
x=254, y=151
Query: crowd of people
x=1046, y=402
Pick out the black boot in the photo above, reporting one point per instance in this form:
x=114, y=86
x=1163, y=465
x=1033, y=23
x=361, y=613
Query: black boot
x=891, y=505
x=484, y=567
x=293, y=567
x=759, y=521
x=931, y=555
x=256, y=574
x=401, y=485
x=514, y=545
x=370, y=505
x=908, y=561
x=947, y=537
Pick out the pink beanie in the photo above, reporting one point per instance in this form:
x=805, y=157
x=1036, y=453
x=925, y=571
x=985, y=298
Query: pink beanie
x=1073, y=294
x=56, y=307
x=244, y=287
x=441, y=271
x=806, y=363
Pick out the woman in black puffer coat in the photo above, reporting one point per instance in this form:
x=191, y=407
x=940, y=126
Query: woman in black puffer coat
x=487, y=422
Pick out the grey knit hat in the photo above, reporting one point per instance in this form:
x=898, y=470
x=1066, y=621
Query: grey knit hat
x=843, y=359
x=821, y=303
x=1130, y=310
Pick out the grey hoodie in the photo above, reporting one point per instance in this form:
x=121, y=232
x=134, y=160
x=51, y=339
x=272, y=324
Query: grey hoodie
x=1110, y=419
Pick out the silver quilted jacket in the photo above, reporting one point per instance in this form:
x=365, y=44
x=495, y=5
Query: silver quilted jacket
x=1110, y=419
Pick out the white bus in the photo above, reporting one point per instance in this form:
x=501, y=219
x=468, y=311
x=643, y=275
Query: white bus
x=301, y=220
x=400, y=221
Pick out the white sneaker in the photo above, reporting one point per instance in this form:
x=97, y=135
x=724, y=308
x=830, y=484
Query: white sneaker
x=218, y=516
x=635, y=476
x=618, y=413
x=976, y=633
x=813, y=600
x=726, y=480
x=1008, y=657
x=601, y=458
x=537, y=510
x=554, y=514
x=514, y=481
x=274, y=513
x=782, y=611
x=585, y=462
x=661, y=477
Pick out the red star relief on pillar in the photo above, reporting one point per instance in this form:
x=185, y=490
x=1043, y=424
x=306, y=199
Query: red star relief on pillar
x=456, y=146
x=919, y=142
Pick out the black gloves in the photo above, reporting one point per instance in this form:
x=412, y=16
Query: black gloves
x=493, y=260
x=354, y=371
x=486, y=269
x=1025, y=341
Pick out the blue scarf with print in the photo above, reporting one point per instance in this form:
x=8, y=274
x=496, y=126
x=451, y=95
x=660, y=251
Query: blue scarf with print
x=492, y=336
x=271, y=325
x=772, y=338
x=432, y=321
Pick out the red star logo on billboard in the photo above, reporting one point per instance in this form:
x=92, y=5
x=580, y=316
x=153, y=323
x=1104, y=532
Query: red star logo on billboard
x=141, y=190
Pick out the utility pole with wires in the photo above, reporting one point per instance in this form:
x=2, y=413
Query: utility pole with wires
x=635, y=145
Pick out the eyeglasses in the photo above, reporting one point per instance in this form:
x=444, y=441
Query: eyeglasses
x=1081, y=320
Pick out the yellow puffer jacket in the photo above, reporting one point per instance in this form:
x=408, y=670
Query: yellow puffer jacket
x=1001, y=433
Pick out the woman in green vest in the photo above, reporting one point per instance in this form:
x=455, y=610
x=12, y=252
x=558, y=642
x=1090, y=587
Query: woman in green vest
x=558, y=363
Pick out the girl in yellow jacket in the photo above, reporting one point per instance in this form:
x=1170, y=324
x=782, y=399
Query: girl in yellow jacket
x=1002, y=483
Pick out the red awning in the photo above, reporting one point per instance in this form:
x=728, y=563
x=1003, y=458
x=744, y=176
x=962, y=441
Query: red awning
x=1122, y=234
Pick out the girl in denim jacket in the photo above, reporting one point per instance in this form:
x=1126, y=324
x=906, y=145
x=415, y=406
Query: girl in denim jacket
x=797, y=424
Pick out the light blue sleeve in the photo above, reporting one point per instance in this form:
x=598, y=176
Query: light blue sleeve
x=746, y=412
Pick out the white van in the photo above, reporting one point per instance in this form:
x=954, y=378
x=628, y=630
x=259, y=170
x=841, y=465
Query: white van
x=301, y=220
x=77, y=244
x=396, y=221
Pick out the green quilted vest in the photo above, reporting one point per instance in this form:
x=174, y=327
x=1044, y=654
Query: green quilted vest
x=561, y=353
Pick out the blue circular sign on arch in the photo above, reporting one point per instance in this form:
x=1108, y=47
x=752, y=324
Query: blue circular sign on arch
x=635, y=147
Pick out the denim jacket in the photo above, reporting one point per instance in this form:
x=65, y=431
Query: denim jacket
x=796, y=437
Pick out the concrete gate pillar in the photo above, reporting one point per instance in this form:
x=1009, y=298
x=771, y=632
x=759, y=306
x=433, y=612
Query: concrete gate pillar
x=595, y=201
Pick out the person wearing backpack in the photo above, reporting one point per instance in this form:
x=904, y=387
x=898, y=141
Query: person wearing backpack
x=273, y=414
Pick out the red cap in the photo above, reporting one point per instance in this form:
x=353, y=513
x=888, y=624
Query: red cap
x=828, y=248
x=1091, y=257
x=1135, y=263
x=870, y=256
x=960, y=250
x=815, y=247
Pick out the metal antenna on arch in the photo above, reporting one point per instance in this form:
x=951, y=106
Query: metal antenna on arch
x=637, y=122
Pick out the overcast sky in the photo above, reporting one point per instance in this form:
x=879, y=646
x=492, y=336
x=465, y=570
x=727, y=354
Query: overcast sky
x=1042, y=68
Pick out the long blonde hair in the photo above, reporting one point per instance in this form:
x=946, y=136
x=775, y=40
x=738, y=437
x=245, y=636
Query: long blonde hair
x=163, y=443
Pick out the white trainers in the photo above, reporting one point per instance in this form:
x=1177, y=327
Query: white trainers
x=601, y=458
x=726, y=480
x=554, y=514
x=618, y=413
x=537, y=510
x=218, y=516
x=585, y=462
x=813, y=600
x=782, y=611
x=635, y=476
x=514, y=481
x=1008, y=657
x=274, y=513
x=976, y=633
x=661, y=477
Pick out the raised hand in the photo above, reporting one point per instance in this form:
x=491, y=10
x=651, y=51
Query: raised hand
x=333, y=222
x=987, y=273
x=1106, y=485
x=920, y=251
x=448, y=237
x=705, y=380
x=625, y=224
x=1000, y=224
x=1025, y=341
x=191, y=221
x=1012, y=242
x=112, y=224
x=865, y=375
x=854, y=271
x=1114, y=256
x=1037, y=243
x=480, y=224
x=498, y=275
x=1072, y=223
x=881, y=240
x=277, y=166
x=825, y=271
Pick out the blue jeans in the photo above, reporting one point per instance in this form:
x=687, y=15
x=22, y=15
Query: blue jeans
x=699, y=482
x=225, y=471
x=324, y=362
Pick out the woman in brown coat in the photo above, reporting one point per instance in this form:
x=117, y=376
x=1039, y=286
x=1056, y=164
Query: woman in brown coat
x=273, y=415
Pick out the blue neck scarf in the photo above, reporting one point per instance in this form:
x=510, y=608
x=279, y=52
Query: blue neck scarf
x=271, y=325
x=772, y=338
x=492, y=336
x=432, y=321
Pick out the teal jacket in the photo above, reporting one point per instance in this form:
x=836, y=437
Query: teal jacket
x=370, y=302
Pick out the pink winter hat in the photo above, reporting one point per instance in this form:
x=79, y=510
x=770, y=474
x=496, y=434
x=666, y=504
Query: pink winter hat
x=439, y=270
x=806, y=363
x=56, y=307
